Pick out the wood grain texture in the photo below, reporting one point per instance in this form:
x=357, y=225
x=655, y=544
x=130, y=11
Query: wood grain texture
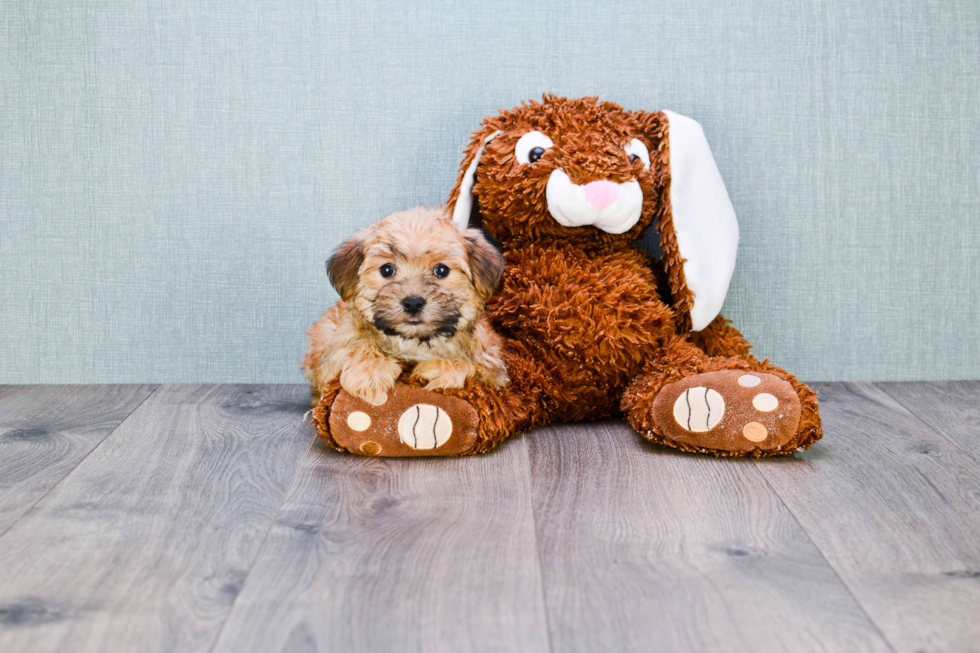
x=398, y=555
x=895, y=508
x=950, y=407
x=643, y=548
x=145, y=545
x=46, y=430
x=163, y=531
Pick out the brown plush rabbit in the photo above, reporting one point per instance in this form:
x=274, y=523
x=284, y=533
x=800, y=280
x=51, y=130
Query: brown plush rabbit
x=592, y=326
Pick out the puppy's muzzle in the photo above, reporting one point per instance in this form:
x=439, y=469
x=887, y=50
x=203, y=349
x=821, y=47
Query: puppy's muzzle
x=413, y=304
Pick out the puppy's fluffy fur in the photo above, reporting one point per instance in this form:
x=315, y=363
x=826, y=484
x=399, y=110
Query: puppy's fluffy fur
x=383, y=274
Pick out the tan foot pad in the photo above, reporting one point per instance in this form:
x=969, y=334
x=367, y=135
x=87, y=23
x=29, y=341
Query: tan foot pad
x=412, y=422
x=729, y=410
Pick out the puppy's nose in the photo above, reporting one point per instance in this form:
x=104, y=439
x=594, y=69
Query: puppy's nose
x=601, y=194
x=413, y=304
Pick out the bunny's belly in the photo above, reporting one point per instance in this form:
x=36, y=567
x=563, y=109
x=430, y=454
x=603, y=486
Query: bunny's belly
x=592, y=317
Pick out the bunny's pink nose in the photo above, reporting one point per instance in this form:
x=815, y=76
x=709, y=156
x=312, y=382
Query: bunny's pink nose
x=601, y=193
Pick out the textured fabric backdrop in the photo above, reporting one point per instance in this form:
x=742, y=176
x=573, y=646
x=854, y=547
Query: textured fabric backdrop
x=173, y=174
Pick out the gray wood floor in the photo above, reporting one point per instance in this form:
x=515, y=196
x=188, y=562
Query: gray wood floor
x=209, y=518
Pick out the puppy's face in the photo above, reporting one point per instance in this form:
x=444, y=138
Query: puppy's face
x=416, y=275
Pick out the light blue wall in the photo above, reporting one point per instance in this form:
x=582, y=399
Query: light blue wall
x=173, y=174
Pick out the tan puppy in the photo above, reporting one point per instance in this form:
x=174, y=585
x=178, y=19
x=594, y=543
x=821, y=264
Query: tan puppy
x=413, y=289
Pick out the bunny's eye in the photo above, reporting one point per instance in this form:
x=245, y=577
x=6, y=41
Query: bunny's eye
x=440, y=271
x=637, y=151
x=387, y=270
x=532, y=147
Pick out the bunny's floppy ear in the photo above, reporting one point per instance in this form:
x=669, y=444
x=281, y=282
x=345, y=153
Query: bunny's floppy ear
x=698, y=228
x=461, y=200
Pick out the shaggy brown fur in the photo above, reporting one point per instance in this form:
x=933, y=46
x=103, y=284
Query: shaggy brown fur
x=587, y=331
x=413, y=290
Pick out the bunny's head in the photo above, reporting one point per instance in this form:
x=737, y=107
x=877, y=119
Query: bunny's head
x=588, y=172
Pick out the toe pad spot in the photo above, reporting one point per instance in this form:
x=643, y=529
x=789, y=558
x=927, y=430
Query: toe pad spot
x=359, y=421
x=755, y=432
x=765, y=402
x=749, y=380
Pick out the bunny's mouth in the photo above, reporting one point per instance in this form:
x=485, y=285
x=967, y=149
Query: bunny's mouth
x=611, y=207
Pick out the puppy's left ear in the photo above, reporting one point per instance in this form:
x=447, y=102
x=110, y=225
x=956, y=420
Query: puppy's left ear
x=486, y=263
x=344, y=265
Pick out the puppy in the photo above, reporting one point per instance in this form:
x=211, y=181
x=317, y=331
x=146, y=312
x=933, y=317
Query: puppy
x=413, y=289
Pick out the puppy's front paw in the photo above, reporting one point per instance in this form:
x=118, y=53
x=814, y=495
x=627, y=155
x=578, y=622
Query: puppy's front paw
x=370, y=379
x=372, y=395
x=442, y=374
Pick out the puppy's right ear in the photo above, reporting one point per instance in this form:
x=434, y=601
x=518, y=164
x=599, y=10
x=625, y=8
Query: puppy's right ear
x=343, y=267
x=486, y=263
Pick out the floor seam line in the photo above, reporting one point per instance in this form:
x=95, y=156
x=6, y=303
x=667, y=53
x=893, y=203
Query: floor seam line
x=823, y=557
x=258, y=552
x=83, y=458
x=929, y=426
x=537, y=543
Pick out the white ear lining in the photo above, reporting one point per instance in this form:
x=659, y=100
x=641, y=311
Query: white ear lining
x=464, y=203
x=704, y=219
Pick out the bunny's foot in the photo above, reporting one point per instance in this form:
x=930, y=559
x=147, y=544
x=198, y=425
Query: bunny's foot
x=411, y=422
x=729, y=410
x=750, y=409
x=418, y=422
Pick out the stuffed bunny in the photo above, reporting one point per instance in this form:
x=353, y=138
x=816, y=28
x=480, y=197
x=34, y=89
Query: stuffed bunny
x=592, y=326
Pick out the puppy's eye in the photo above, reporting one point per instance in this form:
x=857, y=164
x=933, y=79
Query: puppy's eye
x=531, y=147
x=440, y=271
x=637, y=151
x=387, y=270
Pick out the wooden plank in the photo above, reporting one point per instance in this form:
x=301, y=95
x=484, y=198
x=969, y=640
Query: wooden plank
x=398, y=555
x=895, y=509
x=45, y=430
x=950, y=407
x=145, y=545
x=647, y=549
